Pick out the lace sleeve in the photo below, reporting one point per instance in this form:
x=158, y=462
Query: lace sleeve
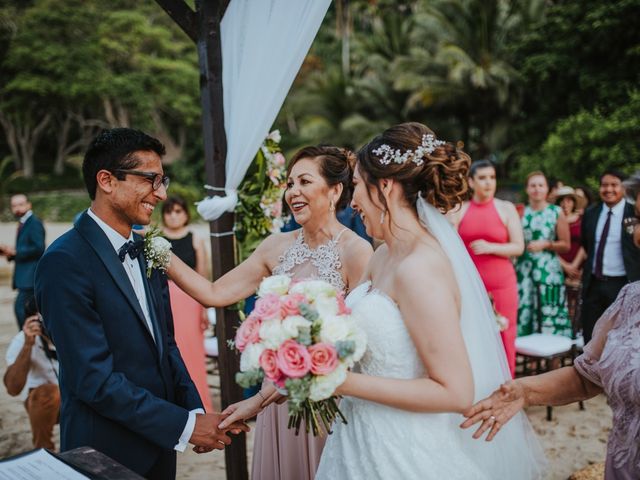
x=588, y=364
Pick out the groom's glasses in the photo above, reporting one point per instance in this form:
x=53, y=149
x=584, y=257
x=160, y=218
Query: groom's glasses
x=156, y=179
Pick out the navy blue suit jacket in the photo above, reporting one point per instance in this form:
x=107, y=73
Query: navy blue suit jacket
x=122, y=393
x=29, y=249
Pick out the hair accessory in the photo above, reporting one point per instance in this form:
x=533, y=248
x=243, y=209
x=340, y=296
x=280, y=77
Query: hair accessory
x=388, y=155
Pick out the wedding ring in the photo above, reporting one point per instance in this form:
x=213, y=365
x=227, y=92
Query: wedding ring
x=493, y=418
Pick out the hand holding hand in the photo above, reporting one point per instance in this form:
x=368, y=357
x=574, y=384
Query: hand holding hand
x=537, y=246
x=481, y=247
x=207, y=436
x=240, y=411
x=496, y=410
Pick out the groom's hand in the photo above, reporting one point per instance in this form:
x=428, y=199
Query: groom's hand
x=207, y=436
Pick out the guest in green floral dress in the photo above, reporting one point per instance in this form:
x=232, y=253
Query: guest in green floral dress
x=542, y=302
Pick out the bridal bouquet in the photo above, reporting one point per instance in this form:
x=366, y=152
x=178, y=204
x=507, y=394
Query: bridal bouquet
x=300, y=336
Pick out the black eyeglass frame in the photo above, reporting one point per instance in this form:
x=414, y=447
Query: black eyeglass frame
x=156, y=179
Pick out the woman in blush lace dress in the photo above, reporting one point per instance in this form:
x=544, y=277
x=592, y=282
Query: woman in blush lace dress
x=433, y=343
x=318, y=184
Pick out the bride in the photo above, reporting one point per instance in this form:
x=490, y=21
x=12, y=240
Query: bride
x=433, y=343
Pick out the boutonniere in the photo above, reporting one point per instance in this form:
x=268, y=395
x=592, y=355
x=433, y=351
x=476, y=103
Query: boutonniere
x=629, y=223
x=157, y=250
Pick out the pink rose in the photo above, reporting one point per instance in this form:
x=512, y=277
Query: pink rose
x=324, y=358
x=248, y=332
x=289, y=305
x=269, y=363
x=293, y=359
x=268, y=307
x=342, y=307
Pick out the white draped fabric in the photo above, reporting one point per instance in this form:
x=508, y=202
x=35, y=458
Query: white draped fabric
x=264, y=42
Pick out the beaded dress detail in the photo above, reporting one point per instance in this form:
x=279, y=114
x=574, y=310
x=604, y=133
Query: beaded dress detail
x=301, y=261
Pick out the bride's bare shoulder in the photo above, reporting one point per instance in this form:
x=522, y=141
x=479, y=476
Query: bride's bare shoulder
x=425, y=266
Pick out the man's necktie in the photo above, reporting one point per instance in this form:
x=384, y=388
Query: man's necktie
x=132, y=248
x=601, y=245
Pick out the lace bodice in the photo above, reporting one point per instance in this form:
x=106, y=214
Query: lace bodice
x=301, y=261
x=612, y=361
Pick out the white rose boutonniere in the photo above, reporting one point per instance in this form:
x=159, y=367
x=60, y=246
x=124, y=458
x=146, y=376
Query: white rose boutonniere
x=157, y=250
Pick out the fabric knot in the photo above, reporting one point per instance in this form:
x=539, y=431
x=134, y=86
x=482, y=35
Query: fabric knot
x=134, y=249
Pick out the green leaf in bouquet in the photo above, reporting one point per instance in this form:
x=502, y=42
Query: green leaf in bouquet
x=298, y=389
x=345, y=348
x=308, y=312
x=304, y=336
x=250, y=378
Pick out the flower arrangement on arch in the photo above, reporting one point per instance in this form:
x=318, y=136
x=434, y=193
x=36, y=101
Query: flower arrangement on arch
x=259, y=210
x=301, y=337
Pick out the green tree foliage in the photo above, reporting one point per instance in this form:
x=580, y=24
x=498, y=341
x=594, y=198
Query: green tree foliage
x=583, y=145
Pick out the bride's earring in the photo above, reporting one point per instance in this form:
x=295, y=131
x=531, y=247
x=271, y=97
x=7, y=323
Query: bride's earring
x=382, y=215
x=332, y=207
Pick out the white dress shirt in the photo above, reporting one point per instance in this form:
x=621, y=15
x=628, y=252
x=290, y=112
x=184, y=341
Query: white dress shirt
x=132, y=268
x=612, y=262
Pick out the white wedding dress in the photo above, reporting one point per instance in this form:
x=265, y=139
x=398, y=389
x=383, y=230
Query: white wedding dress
x=385, y=442
x=382, y=442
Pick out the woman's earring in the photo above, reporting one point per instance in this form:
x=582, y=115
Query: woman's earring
x=332, y=207
x=382, y=215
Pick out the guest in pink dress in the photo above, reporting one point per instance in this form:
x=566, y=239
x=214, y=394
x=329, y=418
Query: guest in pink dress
x=491, y=230
x=318, y=185
x=189, y=317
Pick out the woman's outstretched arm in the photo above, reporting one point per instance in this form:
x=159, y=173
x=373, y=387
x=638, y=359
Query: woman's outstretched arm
x=239, y=283
x=558, y=387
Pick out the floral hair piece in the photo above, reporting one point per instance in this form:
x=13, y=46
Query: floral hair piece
x=428, y=145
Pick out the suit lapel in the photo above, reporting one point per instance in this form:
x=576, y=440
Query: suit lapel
x=152, y=303
x=94, y=235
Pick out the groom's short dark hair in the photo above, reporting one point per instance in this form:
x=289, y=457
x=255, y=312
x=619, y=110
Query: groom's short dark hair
x=112, y=149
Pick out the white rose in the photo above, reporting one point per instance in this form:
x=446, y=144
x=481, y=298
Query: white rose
x=326, y=306
x=272, y=334
x=250, y=358
x=323, y=386
x=360, y=338
x=292, y=324
x=160, y=245
x=335, y=328
x=314, y=288
x=278, y=284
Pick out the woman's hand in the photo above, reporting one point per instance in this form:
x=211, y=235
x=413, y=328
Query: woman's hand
x=482, y=247
x=242, y=410
x=538, y=245
x=496, y=410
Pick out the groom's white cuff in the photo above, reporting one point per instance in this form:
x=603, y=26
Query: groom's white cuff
x=188, y=430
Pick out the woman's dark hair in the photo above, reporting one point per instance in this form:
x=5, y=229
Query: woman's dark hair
x=336, y=166
x=114, y=150
x=441, y=179
x=478, y=164
x=171, y=202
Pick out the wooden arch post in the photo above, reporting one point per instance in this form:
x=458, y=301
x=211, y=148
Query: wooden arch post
x=203, y=27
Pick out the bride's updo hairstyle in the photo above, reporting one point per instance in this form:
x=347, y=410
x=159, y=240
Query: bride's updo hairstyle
x=336, y=166
x=439, y=171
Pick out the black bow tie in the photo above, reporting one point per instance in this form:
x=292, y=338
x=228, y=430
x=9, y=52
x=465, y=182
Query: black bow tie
x=132, y=248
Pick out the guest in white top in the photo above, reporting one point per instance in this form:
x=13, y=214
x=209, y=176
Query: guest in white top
x=612, y=257
x=33, y=365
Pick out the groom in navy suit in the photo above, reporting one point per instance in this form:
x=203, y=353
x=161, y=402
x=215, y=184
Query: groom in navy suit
x=125, y=389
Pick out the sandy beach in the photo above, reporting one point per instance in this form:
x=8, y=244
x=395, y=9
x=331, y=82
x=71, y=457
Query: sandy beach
x=573, y=440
